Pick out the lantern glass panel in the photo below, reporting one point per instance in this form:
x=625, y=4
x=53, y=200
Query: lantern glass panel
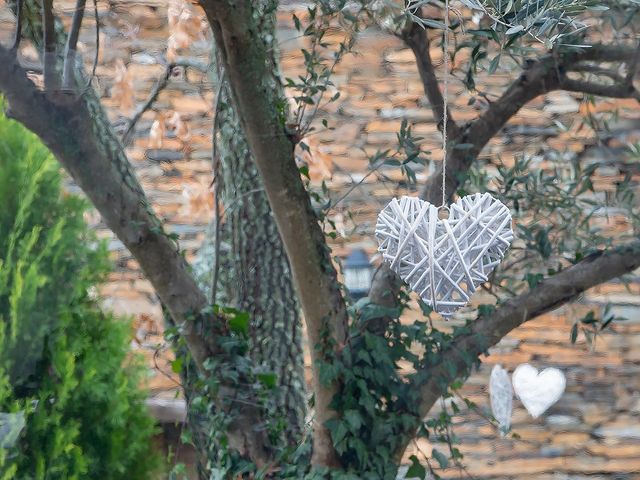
x=358, y=278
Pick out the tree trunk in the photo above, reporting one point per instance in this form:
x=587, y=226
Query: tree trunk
x=243, y=257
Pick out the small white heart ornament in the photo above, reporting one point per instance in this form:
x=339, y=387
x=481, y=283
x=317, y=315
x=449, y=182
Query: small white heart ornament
x=538, y=390
x=444, y=260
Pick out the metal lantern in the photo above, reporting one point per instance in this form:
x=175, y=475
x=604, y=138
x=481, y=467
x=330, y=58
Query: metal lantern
x=358, y=273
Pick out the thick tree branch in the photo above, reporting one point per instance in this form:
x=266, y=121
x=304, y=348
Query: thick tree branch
x=551, y=293
x=457, y=360
x=542, y=76
x=160, y=85
x=80, y=135
x=257, y=103
x=101, y=169
x=81, y=138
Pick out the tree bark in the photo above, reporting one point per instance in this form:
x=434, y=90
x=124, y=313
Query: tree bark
x=234, y=27
x=251, y=265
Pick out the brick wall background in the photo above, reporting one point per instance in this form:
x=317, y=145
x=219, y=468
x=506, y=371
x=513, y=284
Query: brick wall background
x=593, y=431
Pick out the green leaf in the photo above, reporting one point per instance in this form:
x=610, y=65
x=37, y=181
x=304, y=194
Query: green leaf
x=353, y=419
x=176, y=365
x=574, y=333
x=339, y=433
x=463, y=146
x=534, y=279
x=239, y=323
x=296, y=22
x=515, y=29
x=441, y=458
x=495, y=63
x=267, y=379
x=416, y=470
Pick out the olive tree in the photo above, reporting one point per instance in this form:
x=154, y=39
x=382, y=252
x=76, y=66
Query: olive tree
x=365, y=411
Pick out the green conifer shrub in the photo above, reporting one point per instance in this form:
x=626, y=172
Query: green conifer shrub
x=64, y=362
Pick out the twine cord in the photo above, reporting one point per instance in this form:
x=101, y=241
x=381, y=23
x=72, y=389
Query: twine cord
x=445, y=103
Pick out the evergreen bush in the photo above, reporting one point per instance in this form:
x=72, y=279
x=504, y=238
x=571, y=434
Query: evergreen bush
x=64, y=362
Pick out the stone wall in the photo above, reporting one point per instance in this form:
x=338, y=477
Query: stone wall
x=594, y=430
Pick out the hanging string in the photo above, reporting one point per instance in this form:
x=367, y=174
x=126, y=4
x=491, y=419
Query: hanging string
x=445, y=103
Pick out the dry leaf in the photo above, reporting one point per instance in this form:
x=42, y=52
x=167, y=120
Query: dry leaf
x=186, y=25
x=178, y=126
x=122, y=90
x=157, y=132
x=143, y=325
x=320, y=164
x=199, y=200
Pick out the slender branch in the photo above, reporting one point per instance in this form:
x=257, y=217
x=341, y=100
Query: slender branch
x=51, y=79
x=217, y=185
x=624, y=90
x=68, y=77
x=160, y=85
x=18, y=31
x=162, y=82
x=417, y=39
x=97, y=54
x=599, y=71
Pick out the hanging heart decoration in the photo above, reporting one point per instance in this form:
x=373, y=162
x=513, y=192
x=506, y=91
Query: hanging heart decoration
x=501, y=395
x=444, y=260
x=538, y=391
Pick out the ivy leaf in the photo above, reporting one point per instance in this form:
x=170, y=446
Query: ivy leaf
x=339, y=433
x=239, y=323
x=267, y=379
x=354, y=419
x=441, y=458
x=176, y=365
x=416, y=470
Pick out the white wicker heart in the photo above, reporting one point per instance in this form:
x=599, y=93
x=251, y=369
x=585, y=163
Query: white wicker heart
x=444, y=261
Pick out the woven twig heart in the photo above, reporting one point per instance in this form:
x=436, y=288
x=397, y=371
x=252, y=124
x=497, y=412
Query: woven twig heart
x=444, y=261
